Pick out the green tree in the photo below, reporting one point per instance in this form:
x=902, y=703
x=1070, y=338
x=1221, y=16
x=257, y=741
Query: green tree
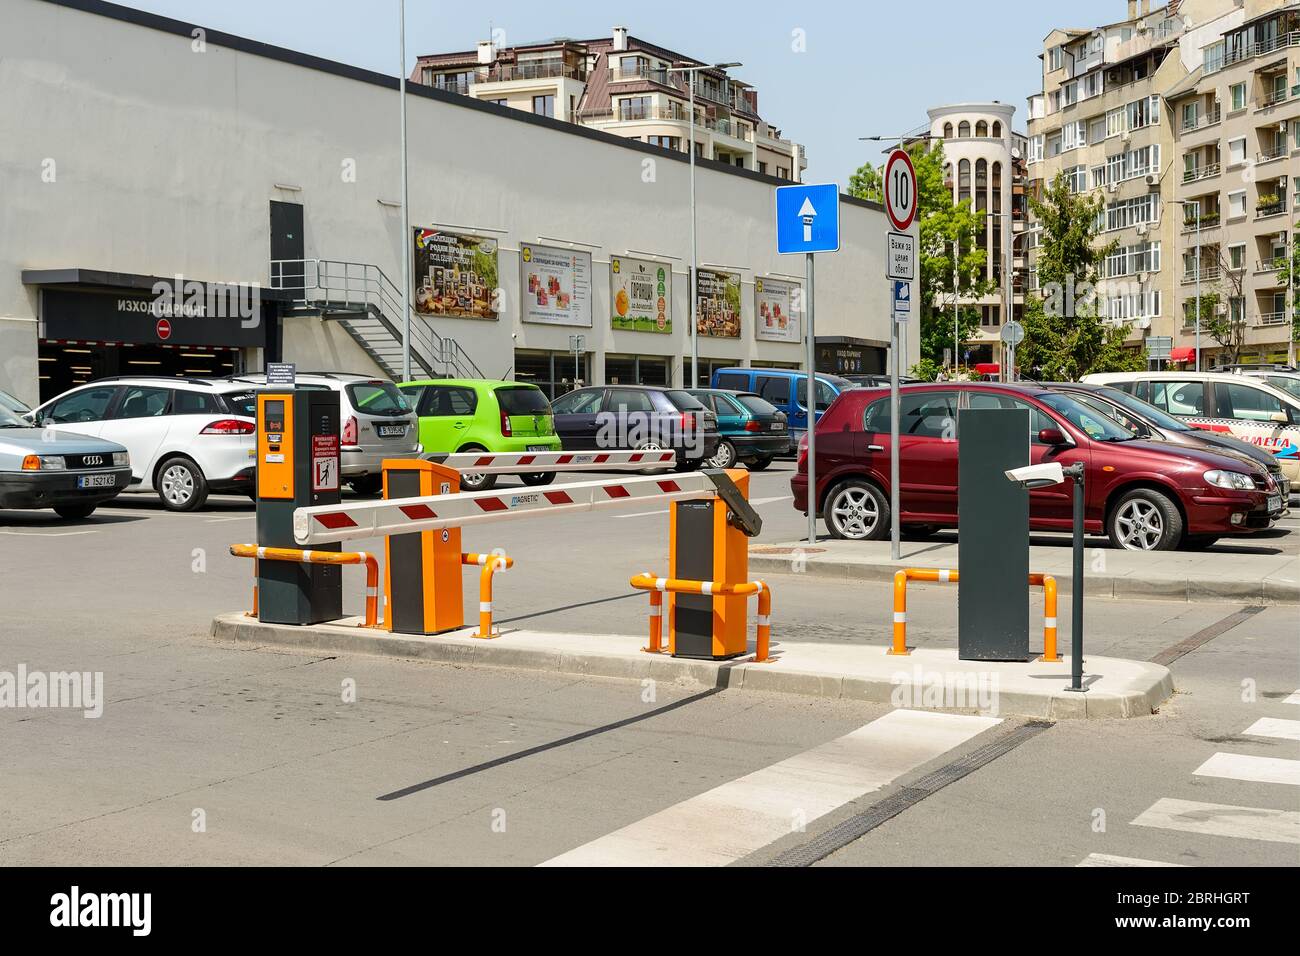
x=1065, y=336
x=944, y=226
x=1288, y=274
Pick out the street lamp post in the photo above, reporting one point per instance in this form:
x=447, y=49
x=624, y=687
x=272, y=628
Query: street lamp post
x=1196, y=206
x=404, y=245
x=689, y=72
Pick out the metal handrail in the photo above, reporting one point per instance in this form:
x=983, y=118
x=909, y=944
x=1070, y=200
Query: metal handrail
x=657, y=586
x=298, y=556
x=491, y=564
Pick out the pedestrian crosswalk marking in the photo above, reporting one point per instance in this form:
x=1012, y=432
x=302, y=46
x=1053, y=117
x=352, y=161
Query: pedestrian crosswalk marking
x=733, y=820
x=1105, y=859
x=1274, y=727
x=1216, y=819
x=1293, y=699
x=1254, y=769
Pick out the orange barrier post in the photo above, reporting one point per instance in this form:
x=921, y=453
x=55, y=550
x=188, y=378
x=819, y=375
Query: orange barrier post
x=648, y=582
x=944, y=576
x=491, y=564
x=317, y=557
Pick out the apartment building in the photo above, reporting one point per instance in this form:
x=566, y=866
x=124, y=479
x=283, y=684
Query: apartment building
x=1237, y=141
x=1103, y=121
x=985, y=162
x=624, y=86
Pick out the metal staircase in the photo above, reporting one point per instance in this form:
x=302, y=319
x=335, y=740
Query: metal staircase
x=361, y=298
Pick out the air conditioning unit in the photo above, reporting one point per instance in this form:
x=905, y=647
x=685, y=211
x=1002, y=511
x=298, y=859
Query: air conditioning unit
x=1128, y=135
x=1143, y=26
x=1113, y=187
x=1143, y=323
x=1153, y=180
x=1282, y=127
x=1142, y=229
x=1142, y=278
x=1221, y=308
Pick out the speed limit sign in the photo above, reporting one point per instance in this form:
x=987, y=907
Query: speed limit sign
x=900, y=190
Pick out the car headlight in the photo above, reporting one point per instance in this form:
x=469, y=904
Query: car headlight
x=121, y=459
x=1230, y=479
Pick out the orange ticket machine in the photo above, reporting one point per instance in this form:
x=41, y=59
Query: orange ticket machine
x=709, y=541
x=297, y=466
x=422, y=571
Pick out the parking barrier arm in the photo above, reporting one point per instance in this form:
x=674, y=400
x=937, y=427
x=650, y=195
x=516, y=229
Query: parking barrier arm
x=656, y=586
x=491, y=564
x=317, y=557
x=516, y=463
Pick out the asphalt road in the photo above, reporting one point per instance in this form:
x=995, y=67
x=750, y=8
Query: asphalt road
x=451, y=765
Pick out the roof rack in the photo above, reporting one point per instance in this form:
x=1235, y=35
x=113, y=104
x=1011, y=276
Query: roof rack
x=154, y=378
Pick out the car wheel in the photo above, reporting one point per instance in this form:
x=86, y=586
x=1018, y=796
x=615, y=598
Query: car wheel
x=725, y=456
x=541, y=478
x=1145, y=520
x=758, y=464
x=367, y=484
x=857, y=511
x=72, y=512
x=476, y=481
x=181, y=485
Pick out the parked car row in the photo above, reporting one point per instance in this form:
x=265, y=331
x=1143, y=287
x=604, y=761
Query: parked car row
x=1144, y=492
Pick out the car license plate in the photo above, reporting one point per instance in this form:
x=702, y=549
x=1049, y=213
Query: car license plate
x=539, y=447
x=1274, y=502
x=778, y=426
x=392, y=431
x=95, y=481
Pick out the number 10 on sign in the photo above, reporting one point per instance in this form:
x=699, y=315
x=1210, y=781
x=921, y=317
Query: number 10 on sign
x=900, y=190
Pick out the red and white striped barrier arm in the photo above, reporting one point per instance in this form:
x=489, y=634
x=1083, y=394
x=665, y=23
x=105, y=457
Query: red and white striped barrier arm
x=324, y=524
x=515, y=463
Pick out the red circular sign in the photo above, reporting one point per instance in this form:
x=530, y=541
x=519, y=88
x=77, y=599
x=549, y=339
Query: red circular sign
x=164, y=328
x=900, y=190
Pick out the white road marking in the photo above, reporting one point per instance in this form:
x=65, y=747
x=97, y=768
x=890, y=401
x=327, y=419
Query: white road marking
x=1216, y=819
x=48, y=534
x=1254, y=769
x=1293, y=699
x=236, y=518
x=1275, y=727
x=642, y=514
x=1105, y=859
x=744, y=815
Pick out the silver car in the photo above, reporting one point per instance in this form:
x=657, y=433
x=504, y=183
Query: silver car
x=73, y=474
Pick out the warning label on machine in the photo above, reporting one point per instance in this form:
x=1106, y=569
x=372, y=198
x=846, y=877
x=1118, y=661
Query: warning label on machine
x=324, y=463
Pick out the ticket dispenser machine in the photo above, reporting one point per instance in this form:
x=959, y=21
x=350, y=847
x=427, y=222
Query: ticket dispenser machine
x=422, y=572
x=297, y=466
x=710, y=542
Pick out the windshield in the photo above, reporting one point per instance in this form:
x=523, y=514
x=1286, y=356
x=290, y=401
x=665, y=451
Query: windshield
x=9, y=420
x=1145, y=409
x=1095, y=425
x=241, y=403
x=1288, y=383
x=759, y=406
x=523, y=400
x=378, y=398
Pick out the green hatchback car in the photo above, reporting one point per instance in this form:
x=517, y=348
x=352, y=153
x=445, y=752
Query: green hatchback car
x=473, y=414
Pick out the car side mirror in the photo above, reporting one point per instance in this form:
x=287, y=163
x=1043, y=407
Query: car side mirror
x=1280, y=418
x=1052, y=436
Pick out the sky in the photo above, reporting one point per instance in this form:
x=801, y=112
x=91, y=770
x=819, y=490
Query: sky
x=863, y=70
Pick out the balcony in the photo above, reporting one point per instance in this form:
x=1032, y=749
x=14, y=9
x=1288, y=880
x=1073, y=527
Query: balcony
x=1208, y=221
x=1271, y=318
x=629, y=114
x=1212, y=118
x=509, y=72
x=1264, y=266
x=1208, y=171
x=1277, y=151
x=1252, y=50
x=1270, y=209
x=1208, y=274
x=1273, y=99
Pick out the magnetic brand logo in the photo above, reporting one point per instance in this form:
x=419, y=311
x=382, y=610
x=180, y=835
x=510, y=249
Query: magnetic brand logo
x=518, y=500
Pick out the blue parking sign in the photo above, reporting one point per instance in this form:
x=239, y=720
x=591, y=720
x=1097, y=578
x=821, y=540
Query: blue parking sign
x=902, y=295
x=807, y=218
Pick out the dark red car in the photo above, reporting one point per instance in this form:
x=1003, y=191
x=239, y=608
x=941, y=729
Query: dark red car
x=1145, y=495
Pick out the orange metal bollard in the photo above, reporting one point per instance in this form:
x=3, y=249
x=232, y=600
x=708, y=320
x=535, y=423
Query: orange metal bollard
x=491, y=564
x=1049, y=617
x=317, y=557
x=944, y=576
x=656, y=586
x=899, y=647
x=656, y=623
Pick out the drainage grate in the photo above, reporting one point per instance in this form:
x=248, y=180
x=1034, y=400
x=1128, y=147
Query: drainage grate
x=1205, y=635
x=859, y=825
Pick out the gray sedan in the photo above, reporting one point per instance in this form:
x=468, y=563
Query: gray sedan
x=73, y=474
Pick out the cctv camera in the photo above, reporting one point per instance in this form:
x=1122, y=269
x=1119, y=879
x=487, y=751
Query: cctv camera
x=1037, y=476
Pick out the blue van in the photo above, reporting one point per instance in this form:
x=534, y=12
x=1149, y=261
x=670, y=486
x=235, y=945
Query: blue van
x=785, y=388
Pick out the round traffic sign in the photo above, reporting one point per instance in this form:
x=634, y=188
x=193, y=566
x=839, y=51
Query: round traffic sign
x=900, y=190
x=1013, y=333
x=164, y=329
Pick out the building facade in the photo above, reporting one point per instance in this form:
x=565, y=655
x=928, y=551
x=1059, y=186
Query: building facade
x=1103, y=120
x=985, y=163
x=624, y=86
x=1237, y=136
x=159, y=218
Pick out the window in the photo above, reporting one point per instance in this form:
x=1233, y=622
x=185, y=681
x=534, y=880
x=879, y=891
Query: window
x=963, y=180
x=522, y=400
x=1132, y=212
x=776, y=389
x=629, y=108
x=544, y=105
x=1098, y=177
x=1092, y=85
x=378, y=398
x=501, y=102
x=1115, y=122
x=1055, y=59
x=1074, y=135
x=1178, y=398
x=584, y=402
x=1037, y=420
x=947, y=131
x=997, y=130
x=1190, y=115
x=1054, y=145
x=1237, y=204
x=1129, y=260
x=920, y=415
x=1237, y=256
x=87, y=405
x=963, y=130
x=1144, y=112
x=444, y=401
x=1237, y=94
x=736, y=381
x=1069, y=94
x=1097, y=129
x=1237, y=151
x=624, y=400
x=1247, y=402
x=982, y=129
x=140, y=401
x=782, y=172
x=1036, y=148
x=194, y=403
x=762, y=167
x=1077, y=178
x=675, y=144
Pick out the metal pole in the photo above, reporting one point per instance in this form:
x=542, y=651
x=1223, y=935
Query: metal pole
x=956, y=284
x=1292, y=302
x=405, y=244
x=1076, y=595
x=691, y=286
x=1008, y=240
x=895, y=549
x=811, y=402
x=1198, y=287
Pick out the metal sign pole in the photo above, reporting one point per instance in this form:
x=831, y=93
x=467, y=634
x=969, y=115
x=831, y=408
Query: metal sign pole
x=812, y=404
x=895, y=549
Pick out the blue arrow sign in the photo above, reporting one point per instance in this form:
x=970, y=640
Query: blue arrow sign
x=902, y=295
x=807, y=218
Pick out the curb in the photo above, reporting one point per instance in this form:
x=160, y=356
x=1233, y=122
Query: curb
x=237, y=628
x=1192, y=590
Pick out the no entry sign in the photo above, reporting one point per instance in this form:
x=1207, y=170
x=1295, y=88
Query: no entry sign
x=164, y=329
x=900, y=190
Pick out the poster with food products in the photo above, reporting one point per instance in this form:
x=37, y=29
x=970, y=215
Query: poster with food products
x=554, y=285
x=455, y=275
x=640, y=295
x=776, y=304
x=717, y=303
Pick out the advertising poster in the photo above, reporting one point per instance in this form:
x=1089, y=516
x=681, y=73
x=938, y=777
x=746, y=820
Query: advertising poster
x=717, y=304
x=640, y=295
x=554, y=285
x=455, y=275
x=774, y=310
